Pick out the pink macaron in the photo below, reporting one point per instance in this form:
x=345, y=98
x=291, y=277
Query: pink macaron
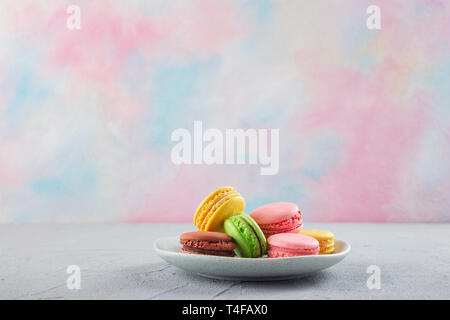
x=283, y=245
x=278, y=217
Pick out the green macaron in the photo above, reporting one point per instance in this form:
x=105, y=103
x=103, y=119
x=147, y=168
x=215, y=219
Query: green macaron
x=250, y=240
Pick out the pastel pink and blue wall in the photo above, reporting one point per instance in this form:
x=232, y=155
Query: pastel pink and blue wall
x=86, y=115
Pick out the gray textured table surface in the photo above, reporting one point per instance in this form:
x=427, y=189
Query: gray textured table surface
x=117, y=262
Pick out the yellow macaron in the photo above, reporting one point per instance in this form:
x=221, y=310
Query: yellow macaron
x=218, y=206
x=325, y=238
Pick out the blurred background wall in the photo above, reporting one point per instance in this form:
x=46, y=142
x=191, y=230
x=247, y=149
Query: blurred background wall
x=86, y=115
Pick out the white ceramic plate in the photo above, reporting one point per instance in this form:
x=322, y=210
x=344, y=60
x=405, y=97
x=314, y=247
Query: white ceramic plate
x=247, y=269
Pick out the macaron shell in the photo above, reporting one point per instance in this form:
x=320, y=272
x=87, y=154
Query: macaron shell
x=274, y=212
x=248, y=241
x=207, y=243
x=207, y=240
x=325, y=238
x=278, y=217
x=293, y=241
x=262, y=241
x=292, y=225
x=291, y=244
x=244, y=247
x=216, y=218
x=320, y=235
x=275, y=252
x=207, y=203
x=205, y=236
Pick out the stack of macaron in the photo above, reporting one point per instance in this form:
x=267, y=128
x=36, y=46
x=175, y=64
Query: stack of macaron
x=274, y=229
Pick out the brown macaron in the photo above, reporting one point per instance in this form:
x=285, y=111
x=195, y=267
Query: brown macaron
x=207, y=243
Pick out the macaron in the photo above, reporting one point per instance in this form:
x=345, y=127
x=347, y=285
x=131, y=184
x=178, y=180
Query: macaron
x=283, y=245
x=217, y=207
x=278, y=217
x=325, y=238
x=207, y=243
x=250, y=240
